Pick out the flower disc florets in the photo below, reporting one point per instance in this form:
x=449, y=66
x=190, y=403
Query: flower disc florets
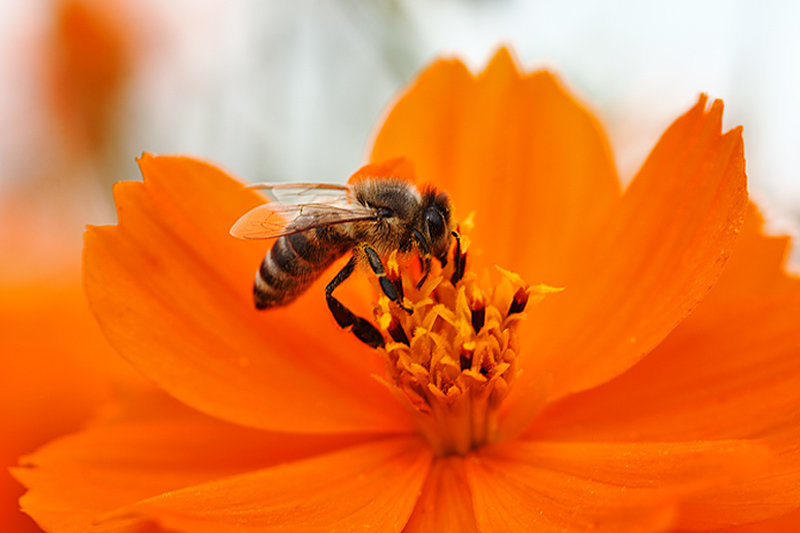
x=454, y=358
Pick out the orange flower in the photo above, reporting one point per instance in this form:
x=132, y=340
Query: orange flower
x=658, y=390
x=88, y=65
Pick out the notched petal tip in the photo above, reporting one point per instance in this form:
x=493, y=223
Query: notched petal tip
x=702, y=99
x=713, y=112
x=145, y=156
x=707, y=116
x=503, y=63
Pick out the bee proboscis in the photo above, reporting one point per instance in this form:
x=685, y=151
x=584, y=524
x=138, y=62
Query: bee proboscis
x=315, y=224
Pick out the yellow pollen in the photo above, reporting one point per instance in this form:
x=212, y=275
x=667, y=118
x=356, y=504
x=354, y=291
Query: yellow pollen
x=454, y=359
x=393, y=266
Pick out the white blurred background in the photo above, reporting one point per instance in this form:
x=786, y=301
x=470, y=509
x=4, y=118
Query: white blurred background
x=277, y=90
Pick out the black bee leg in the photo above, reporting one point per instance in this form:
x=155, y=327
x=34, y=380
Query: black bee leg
x=459, y=260
x=388, y=288
x=425, y=250
x=361, y=328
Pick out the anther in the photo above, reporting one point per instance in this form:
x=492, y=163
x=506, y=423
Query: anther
x=459, y=260
x=467, y=351
x=519, y=302
x=396, y=331
x=477, y=305
x=478, y=319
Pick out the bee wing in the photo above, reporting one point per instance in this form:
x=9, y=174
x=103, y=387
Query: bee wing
x=304, y=193
x=263, y=222
x=277, y=219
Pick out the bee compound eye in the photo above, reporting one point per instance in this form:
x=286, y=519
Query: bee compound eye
x=435, y=223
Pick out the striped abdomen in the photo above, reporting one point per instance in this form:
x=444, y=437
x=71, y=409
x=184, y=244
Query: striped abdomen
x=292, y=264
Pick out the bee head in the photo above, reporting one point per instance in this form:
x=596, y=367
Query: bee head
x=436, y=225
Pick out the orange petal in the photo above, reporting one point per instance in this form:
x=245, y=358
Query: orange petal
x=172, y=291
x=55, y=367
x=646, y=267
x=756, y=271
x=445, y=504
x=375, y=485
x=517, y=150
x=788, y=523
x=730, y=370
x=597, y=486
x=157, y=446
x=767, y=495
x=399, y=167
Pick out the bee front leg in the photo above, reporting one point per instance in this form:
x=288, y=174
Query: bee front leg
x=386, y=284
x=361, y=328
x=425, y=251
x=459, y=260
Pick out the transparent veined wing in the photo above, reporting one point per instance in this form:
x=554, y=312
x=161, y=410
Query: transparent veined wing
x=304, y=193
x=302, y=206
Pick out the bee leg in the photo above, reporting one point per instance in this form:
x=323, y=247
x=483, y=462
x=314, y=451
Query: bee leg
x=459, y=260
x=387, y=286
x=425, y=250
x=361, y=328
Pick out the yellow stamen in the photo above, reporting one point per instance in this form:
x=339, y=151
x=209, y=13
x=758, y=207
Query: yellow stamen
x=453, y=360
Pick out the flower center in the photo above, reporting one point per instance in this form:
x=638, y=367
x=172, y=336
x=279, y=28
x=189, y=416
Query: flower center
x=453, y=359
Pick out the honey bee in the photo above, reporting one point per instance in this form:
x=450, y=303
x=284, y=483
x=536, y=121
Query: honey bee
x=315, y=224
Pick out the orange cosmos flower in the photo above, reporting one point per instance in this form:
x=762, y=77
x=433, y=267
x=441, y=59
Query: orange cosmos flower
x=658, y=390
